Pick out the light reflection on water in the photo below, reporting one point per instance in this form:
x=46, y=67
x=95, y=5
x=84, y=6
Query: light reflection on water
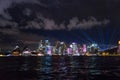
x=59, y=68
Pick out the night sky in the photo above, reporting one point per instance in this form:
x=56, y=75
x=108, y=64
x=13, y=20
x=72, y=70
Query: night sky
x=81, y=21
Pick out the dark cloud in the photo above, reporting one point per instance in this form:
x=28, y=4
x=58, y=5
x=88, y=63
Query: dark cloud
x=5, y=4
x=4, y=23
x=50, y=24
x=79, y=17
x=10, y=31
x=74, y=23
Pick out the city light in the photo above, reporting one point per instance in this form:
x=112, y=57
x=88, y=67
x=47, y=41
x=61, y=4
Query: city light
x=45, y=48
x=119, y=42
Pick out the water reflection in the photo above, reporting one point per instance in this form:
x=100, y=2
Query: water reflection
x=60, y=68
x=44, y=68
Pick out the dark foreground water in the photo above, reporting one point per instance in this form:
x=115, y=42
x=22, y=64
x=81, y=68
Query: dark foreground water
x=59, y=68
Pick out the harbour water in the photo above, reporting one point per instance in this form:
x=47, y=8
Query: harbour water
x=60, y=68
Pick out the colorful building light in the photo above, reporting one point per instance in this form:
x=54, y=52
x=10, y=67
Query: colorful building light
x=84, y=48
x=69, y=51
x=49, y=51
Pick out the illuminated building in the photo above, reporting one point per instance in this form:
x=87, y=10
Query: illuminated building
x=93, y=48
x=84, y=48
x=80, y=49
x=49, y=52
x=26, y=52
x=118, y=47
x=41, y=46
x=118, y=42
x=69, y=51
x=56, y=47
x=47, y=47
x=74, y=48
x=16, y=51
x=62, y=48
